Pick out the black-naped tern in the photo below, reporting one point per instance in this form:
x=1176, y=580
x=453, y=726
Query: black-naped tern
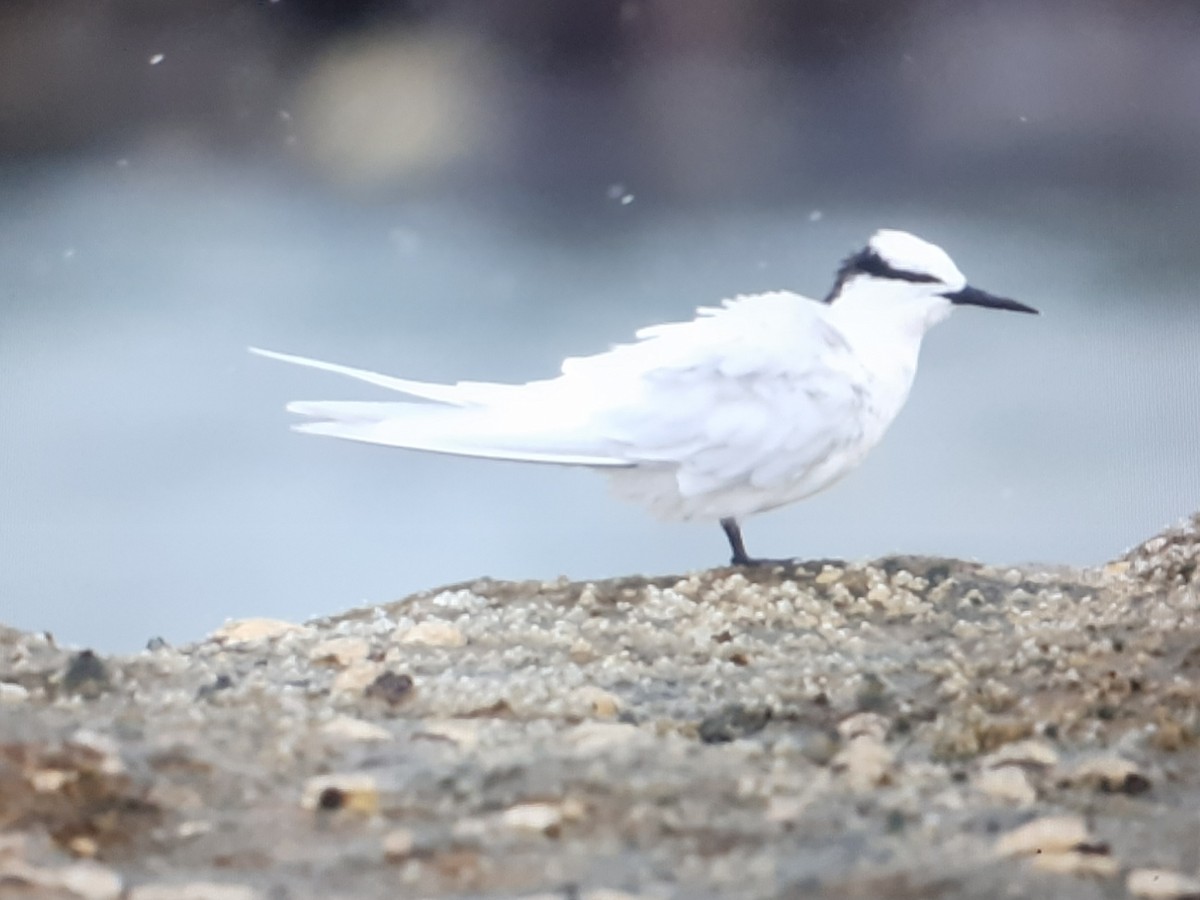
x=760, y=402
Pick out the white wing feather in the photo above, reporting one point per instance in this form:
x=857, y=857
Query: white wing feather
x=758, y=393
x=464, y=393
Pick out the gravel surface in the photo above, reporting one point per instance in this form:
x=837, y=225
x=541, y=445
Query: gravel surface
x=908, y=727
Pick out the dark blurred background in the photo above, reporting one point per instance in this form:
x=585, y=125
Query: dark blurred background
x=463, y=189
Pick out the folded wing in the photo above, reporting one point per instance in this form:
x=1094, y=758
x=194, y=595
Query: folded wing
x=751, y=393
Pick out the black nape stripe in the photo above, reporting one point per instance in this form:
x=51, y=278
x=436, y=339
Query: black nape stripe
x=868, y=262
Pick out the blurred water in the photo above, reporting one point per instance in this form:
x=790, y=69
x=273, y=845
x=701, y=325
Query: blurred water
x=150, y=485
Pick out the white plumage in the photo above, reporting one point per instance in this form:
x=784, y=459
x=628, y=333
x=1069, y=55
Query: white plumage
x=762, y=401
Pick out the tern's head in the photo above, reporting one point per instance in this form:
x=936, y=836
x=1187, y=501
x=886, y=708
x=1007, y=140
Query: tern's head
x=898, y=275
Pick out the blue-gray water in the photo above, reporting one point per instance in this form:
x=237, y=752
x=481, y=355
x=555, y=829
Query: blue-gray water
x=150, y=486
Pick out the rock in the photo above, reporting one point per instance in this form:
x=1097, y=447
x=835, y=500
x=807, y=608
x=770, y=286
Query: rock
x=1030, y=753
x=194, y=828
x=1162, y=884
x=248, y=631
x=86, y=675
x=90, y=882
x=85, y=881
x=829, y=575
x=340, y=651
x=864, y=762
x=463, y=733
x=356, y=678
x=1171, y=734
x=208, y=691
x=593, y=894
x=596, y=701
x=83, y=847
x=1060, y=845
x=194, y=890
x=349, y=728
x=1007, y=783
x=543, y=818
x=1111, y=774
x=350, y=791
x=398, y=845
x=106, y=750
x=392, y=688
x=12, y=693
x=497, y=747
x=47, y=781
x=77, y=793
x=433, y=633
x=1170, y=559
x=864, y=724
x=13, y=846
x=599, y=737
x=1092, y=862
x=1051, y=834
x=733, y=722
x=582, y=652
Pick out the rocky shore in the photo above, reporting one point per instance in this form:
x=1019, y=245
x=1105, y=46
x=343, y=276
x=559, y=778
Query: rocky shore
x=908, y=727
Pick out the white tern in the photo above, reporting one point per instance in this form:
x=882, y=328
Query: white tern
x=760, y=402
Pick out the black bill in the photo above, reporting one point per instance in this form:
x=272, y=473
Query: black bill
x=970, y=296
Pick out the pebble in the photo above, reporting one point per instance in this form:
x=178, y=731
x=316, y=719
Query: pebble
x=1162, y=884
x=594, y=894
x=393, y=688
x=829, y=575
x=1007, y=783
x=433, y=633
x=864, y=763
x=83, y=846
x=246, y=631
x=13, y=845
x=86, y=675
x=1095, y=864
x=351, y=729
x=355, y=679
x=1050, y=834
x=598, y=737
x=350, y=791
x=463, y=733
x=194, y=890
x=86, y=881
x=47, y=781
x=596, y=701
x=864, y=724
x=582, y=652
x=106, y=748
x=1112, y=774
x=13, y=693
x=733, y=722
x=398, y=844
x=340, y=651
x=543, y=818
x=1032, y=753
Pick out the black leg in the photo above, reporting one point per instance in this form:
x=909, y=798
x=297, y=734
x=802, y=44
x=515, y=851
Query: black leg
x=740, y=557
x=734, y=533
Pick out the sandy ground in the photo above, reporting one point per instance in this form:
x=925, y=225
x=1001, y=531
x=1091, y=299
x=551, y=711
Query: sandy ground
x=908, y=727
